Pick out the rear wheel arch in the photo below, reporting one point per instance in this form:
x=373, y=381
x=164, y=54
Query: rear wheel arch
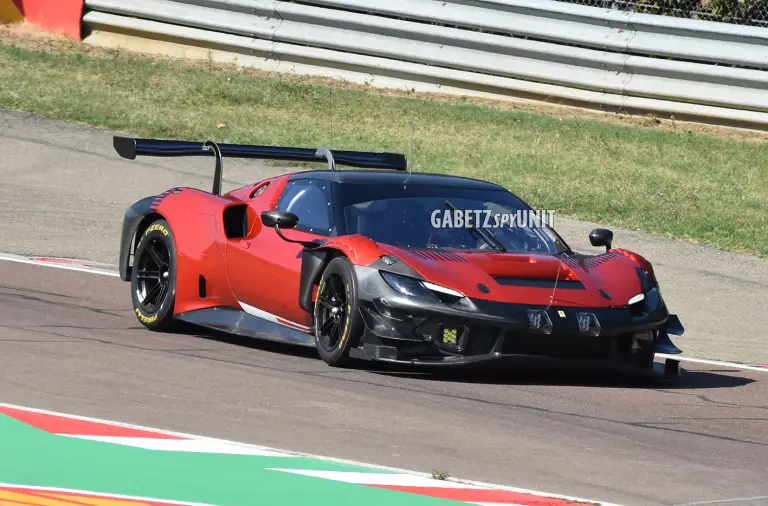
x=142, y=226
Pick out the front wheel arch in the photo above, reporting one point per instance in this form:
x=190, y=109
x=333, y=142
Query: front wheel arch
x=313, y=264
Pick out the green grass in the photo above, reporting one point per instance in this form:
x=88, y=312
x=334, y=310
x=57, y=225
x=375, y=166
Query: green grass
x=700, y=187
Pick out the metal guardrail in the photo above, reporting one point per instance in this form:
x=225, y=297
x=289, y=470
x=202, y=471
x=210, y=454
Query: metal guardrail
x=584, y=55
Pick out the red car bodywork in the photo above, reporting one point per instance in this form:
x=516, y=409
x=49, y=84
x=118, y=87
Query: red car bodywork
x=230, y=267
x=239, y=270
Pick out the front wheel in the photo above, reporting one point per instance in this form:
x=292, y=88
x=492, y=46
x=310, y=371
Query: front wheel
x=638, y=350
x=153, y=277
x=338, y=324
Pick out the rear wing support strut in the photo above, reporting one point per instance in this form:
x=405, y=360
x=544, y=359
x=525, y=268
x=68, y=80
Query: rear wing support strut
x=218, y=173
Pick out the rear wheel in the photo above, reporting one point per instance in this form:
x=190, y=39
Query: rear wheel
x=338, y=324
x=153, y=277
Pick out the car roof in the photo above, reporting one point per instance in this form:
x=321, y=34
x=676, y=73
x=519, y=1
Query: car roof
x=379, y=176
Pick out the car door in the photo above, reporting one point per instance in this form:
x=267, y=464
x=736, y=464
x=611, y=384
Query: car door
x=264, y=270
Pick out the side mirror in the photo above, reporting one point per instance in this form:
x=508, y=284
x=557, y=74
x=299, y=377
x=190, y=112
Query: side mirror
x=601, y=237
x=280, y=219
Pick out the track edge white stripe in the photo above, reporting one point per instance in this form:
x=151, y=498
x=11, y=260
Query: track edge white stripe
x=25, y=260
x=734, y=365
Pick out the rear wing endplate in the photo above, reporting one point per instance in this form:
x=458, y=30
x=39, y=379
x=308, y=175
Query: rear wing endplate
x=130, y=148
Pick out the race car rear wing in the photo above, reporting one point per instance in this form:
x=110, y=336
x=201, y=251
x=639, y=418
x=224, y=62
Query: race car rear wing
x=130, y=147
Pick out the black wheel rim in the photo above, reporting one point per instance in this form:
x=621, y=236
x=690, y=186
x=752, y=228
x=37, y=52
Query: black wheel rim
x=331, y=313
x=153, y=276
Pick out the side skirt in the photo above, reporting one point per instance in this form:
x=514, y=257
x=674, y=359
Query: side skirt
x=237, y=322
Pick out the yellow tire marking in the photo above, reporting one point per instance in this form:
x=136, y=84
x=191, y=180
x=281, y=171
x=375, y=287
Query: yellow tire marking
x=154, y=227
x=345, y=334
x=144, y=318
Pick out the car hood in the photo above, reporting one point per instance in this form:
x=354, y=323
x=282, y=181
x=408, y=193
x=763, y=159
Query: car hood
x=606, y=280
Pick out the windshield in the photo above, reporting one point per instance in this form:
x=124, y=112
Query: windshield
x=428, y=217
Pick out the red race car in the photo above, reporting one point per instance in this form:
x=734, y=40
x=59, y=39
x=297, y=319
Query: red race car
x=384, y=264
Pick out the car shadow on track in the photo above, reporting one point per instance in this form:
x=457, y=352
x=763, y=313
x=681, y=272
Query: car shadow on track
x=500, y=373
x=559, y=376
x=276, y=347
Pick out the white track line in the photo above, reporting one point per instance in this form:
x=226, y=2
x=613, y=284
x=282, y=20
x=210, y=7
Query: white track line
x=714, y=362
x=105, y=272
x=139, y=427
x=67, y=267
x=316, y=457
x=181, y=445
x=375, y=479
x=724, y=501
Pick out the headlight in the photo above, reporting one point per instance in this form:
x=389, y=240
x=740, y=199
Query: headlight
x=654, y=299
x=651, y=289
x=423, y=289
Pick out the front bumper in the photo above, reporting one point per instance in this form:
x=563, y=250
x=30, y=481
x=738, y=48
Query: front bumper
x=410, y=330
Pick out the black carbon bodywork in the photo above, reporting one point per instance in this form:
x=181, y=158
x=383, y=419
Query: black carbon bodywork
x=313, y=262
x=134, y=215
x=406, y=329
x=398, y=267
x=237, y=322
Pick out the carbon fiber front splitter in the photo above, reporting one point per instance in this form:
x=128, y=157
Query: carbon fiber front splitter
x=669, y=368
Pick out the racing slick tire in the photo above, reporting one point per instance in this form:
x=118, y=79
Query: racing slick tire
x=153, y=277
x=338, y=323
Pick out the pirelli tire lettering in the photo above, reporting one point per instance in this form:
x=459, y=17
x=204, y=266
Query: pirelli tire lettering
x=153, y=277
x=144, y=318
x=156, y=226
x=347, y=319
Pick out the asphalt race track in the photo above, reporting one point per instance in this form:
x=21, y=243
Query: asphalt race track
x=64, y=191
x=69, y=342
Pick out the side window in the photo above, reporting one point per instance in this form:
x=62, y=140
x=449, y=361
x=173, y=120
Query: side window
x=309, y=199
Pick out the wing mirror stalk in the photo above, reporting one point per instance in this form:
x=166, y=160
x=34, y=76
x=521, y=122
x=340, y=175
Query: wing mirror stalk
x=282, y=219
